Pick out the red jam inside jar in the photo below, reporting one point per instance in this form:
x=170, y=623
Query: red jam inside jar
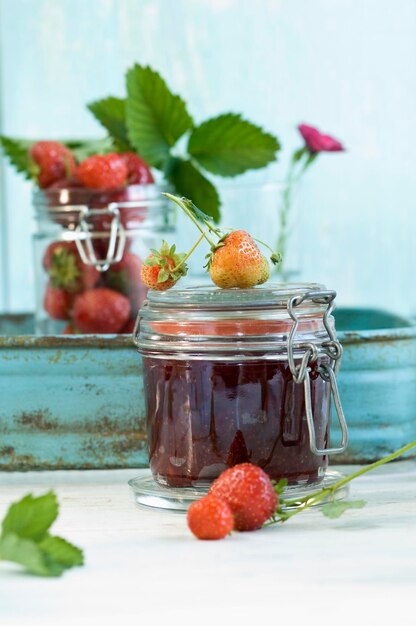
x=219, y=388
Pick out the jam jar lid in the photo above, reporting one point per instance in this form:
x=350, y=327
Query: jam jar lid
x=206, y=320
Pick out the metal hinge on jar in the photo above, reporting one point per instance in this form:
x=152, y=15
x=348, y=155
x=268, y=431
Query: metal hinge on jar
x=116, y=237
x=327, y=371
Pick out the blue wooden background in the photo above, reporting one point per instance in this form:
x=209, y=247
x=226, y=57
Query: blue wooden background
x=346, y=66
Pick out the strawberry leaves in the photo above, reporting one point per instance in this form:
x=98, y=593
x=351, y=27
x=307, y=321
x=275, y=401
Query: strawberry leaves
x=150, y=120
x=155, y=117
x=25, y=537
x=189, y=181
x=17, y=151
x=228, y=145
x=111, y=113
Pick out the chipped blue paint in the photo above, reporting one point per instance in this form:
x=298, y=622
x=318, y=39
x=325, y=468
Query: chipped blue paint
x=70, y=402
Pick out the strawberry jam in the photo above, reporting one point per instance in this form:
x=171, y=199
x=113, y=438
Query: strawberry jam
x=219, y=386
x=205, y=416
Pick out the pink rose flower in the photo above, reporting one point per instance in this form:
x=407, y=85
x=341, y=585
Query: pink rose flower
x=317, y=142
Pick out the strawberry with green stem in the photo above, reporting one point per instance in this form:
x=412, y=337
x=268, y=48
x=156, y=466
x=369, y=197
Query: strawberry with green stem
x=164, y=267
x=257, y=501
x=234, y=259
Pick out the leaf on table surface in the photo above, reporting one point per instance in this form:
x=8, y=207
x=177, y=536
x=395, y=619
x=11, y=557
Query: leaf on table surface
x=60, y=554
x=155, y=117
x=229, y=145
x=49, y=557
x=31, y=517
x=335, y=509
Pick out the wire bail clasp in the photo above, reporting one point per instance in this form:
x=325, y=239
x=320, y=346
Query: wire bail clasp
x=116, y=240
x=300, y=372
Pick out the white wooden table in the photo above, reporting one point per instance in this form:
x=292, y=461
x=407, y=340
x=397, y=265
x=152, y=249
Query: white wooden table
x=145, y=565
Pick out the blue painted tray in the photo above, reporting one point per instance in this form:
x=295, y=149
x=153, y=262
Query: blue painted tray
x=76, y=402
x=69, y=402
x=377, y=383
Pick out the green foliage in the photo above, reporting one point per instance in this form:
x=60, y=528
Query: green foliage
x=229, y=145
x=335, y=509
x=17, y=151
x=190, y=182
x=150, y=121
x=111, y=113
x=25, y=539
x=155, y=117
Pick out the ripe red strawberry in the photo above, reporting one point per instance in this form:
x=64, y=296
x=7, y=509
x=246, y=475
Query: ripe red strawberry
x=57, y=303
x=138, y=171
x=55, y=161
x=236, y=262
x=103, y=171
x=210, y=518
x=125, y=277
x=69, y=330
x=163, y=268
x=128, y=328
x=65, y=268
x=249, y=493
x=100, y=311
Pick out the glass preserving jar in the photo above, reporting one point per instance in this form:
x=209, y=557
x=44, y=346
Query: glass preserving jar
x=88, y=240
x=239, y=375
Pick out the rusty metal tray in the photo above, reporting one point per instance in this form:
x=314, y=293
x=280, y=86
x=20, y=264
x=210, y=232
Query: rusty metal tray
x=69, y=402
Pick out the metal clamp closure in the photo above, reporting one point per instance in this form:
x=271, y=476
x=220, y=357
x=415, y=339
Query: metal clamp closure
x=300, y=372
x=116, y=240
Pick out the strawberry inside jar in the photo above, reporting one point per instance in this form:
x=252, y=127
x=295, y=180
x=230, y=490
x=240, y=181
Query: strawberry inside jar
x=222, y=381
x=89, y=247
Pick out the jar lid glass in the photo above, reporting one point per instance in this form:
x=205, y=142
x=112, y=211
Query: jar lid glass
x=201, y=320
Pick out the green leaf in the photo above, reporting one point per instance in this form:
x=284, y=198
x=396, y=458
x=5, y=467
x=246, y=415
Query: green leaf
x=280, y=486
x=111, y=113
x=31, y=517
x=50, y=557
x=60, y=554
x=81, y=149
x=24, y=552
x=333, y=510
x=188, y=181
x=229, y=145
x=17, y=151
x=155, y=117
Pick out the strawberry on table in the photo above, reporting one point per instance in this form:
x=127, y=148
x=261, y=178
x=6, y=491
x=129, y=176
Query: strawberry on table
x=100, y=310
x=163, y=268
x=210, y=518
x=57, y=303
x=249, y=492
x=54, y=160
x=103, y=171
x=236, y=261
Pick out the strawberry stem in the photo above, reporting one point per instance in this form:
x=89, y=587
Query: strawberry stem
x=186, y=257
x=317, y=496
x=185, y=209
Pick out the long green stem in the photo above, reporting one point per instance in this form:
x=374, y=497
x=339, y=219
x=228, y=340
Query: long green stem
x=321, y=494
x=186, y=257
x=185, y=209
